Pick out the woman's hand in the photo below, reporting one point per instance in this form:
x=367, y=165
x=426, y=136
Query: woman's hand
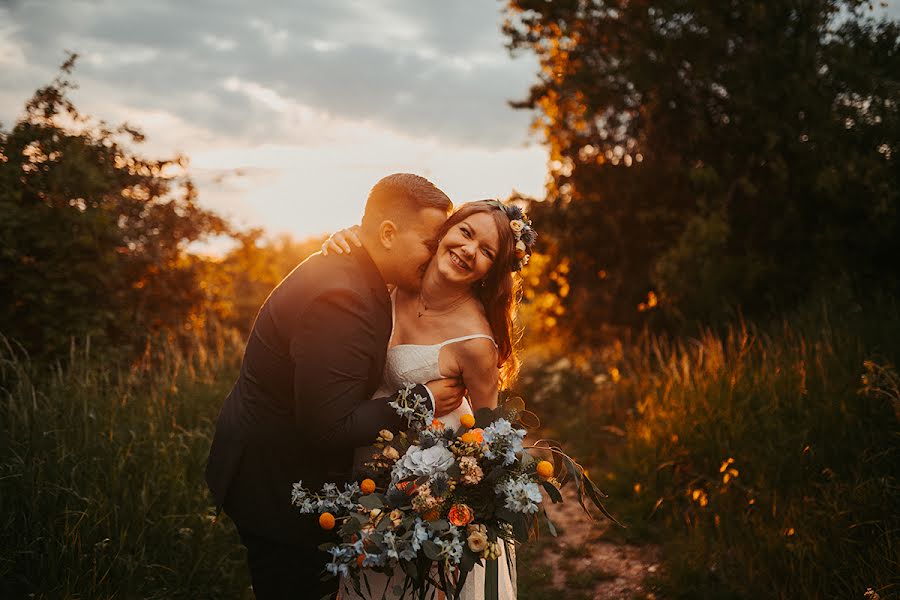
x=448, y=394
x=339, y=241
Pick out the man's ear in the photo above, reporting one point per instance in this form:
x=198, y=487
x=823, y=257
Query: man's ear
x=387, y=234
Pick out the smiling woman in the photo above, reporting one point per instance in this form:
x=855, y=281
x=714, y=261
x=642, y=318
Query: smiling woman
x=475, y=258
x=469, y=248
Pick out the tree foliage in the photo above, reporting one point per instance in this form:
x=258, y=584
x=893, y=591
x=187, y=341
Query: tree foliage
x=93, y=238
x=712, y=155
x=237, y=284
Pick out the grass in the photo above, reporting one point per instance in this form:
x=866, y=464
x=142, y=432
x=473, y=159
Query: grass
x=763, y=459
x=101, y=477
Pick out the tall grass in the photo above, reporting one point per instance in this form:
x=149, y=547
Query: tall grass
x=764, y=459
x=101, y=476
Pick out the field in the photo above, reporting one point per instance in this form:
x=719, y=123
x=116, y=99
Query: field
x=762, y=460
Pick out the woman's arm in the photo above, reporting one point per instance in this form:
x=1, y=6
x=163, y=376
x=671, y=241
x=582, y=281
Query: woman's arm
x=339, y=241
x=478, y=365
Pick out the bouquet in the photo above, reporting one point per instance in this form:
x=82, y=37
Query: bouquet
x=440, y=500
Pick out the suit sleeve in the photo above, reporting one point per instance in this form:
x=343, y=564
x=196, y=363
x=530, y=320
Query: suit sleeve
x=334, y=348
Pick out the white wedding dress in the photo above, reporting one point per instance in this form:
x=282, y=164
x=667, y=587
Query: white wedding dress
x=417, y=363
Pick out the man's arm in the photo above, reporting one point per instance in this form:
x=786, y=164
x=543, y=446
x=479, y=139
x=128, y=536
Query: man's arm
x=334, y=346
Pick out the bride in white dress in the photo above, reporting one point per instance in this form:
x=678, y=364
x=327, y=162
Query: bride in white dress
x=459, y=324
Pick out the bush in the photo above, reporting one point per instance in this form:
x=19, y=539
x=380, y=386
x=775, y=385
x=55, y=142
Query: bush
x=764, y=458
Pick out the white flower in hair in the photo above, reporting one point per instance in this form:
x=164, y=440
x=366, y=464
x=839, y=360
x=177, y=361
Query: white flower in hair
x=521, y=249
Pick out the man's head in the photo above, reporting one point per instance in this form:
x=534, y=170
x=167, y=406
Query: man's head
x=404, y=213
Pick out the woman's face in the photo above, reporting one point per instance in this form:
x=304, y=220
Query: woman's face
x=467, y=251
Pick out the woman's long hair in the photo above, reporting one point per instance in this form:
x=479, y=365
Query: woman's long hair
x=500, y=293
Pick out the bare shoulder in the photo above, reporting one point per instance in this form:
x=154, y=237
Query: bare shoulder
x=479, y=352
x=474, y=318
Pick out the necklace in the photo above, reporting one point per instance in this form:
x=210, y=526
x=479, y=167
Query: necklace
x=450, y=307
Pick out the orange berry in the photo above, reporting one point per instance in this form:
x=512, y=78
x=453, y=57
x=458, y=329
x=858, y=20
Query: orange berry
x=478, y=434
x=545, y=469
x=467, y=421
x=367, y=486
x=469, y=438
x=326, y=521
x=437, y=424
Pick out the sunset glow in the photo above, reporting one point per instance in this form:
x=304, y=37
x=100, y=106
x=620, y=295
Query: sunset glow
x=289, y=117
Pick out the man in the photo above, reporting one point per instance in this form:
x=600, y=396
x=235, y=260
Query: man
x=302, y=401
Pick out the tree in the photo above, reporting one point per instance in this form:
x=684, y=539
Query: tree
x=712, y=155
x=239, y=283
x=94, y=237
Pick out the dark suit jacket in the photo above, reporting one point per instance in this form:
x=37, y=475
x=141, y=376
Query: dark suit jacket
x=303, y=399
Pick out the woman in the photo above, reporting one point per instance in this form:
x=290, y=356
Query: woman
x=459, y=324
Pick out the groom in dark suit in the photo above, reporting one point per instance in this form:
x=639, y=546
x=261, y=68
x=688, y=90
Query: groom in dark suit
x=303, y=399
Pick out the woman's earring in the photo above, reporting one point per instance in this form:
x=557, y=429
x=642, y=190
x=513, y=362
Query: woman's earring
x=482, y=282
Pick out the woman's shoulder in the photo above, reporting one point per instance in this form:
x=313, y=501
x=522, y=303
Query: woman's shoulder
x=472, y=320
x=475, y=340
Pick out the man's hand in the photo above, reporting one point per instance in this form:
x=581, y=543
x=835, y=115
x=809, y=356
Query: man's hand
x=448, y=395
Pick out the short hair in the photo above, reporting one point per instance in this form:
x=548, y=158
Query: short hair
x=400, y=197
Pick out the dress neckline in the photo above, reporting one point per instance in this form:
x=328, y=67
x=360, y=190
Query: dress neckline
x=462, y=338
x=393, y=297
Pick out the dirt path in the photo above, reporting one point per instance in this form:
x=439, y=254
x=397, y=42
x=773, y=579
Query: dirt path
x=581, y=563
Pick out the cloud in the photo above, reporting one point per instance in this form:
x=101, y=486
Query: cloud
x=291, y=111
x=435, y=70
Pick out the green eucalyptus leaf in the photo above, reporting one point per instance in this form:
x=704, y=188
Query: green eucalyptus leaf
x=439, y=526
x=383, y=524
x=371, y=501
x=468, y=561
x=409, y=567
x=350, y=527
x=431, y=550
x=551, y=490
x=549, y=523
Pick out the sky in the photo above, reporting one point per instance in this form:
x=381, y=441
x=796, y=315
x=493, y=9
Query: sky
x=290, y=111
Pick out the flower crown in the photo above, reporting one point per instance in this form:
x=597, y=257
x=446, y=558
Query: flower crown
x=523, y=233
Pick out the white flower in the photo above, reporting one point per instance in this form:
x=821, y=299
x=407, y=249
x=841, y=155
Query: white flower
x=522, y=495
x=417, y=461
x=298, y=494
x=477, y=542
x=521, y=249
x=517, y=225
